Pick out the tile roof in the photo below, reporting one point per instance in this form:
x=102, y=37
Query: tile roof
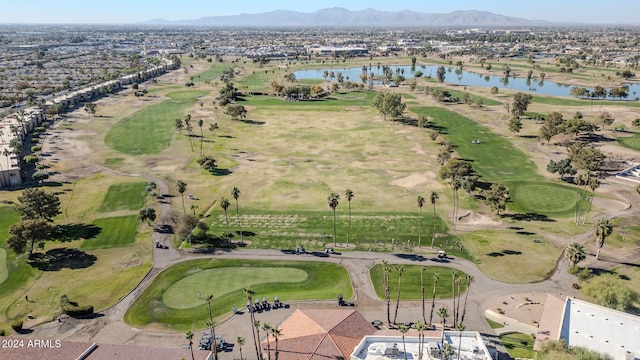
x=320, y=334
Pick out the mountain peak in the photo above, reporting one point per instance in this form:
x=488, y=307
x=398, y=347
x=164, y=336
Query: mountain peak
x=339, y=16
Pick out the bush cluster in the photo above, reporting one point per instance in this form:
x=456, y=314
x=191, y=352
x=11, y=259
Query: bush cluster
x=72, y=309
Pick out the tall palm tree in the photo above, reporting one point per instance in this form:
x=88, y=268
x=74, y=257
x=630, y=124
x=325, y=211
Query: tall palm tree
x=224, y=204
x=386, y=269
x=276, y=334
x=200, y=123
x=422, y=270
x=266, y=327
x=236, y=194
x=256, y=325
x=403, y=329
x=240, y=341
x=400, y=270
x=575, y=252
x=433, y=197
x=443, y=314
x=181, y=186
x=456, y=184
x=582, y=180
x=460, y=329
x=189, y=336
x=333, y=202
x=420, y=203
x=349, y=195
x=212, y=324
x=436, y=276
x=453, y=291
x=458, y=281
x=603, y=228
x=250, y=292
x=421, y=327
x=464, y=307
x=593, y=183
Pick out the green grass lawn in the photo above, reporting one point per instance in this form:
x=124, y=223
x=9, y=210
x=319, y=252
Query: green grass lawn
x=518, y=345
x=631, y=142
x=563, y=101
x=314, y=229
x=527, y=260
x=149, y=130
x=495, y=159
x=485, y=100
x=14, y=272
x=180, y=294
x=115, y=232
x=493, y=324
x=127, y=196
x=323, y=281
x=410, y=282
x=551, y=199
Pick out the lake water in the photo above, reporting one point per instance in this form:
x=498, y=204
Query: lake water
x=463, y=78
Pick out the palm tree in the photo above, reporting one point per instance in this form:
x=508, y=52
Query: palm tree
x=602, y=229
x=189, y=336
x=250, y=292
x=266, y=327
x=453, y=291
x=333, y=201
x=420, y=202
x=582, y=180
x=212, y=324
x=455, y=183
x=256, y=325
x=276, y=334
x=464, y=307
x=240, y=342
x=224, y=204
x=385, y=270
x=433, y=197
x=421, y=327
x=400, y=269
x=349, y=195
x=181, y=186
x=200, y=123
x=460, y=329
x=236, y=194
x=443, y=313
x=575, y=253
x=593, y=183
x=436, y=276
x=422, y=270
x=403, y=329
x=459, y=281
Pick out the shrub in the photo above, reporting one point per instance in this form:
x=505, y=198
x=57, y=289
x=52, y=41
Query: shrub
x=584, y=274
x=17, y=326
x=610, y=291
x=574, y=270
x=72, y=309
x=2, y=333
x=36, y=148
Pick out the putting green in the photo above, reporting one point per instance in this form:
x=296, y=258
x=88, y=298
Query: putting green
x=542, y=198
x=4, y=273
x=184, y=293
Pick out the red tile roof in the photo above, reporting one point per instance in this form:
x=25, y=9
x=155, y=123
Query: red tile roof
x=320, y=334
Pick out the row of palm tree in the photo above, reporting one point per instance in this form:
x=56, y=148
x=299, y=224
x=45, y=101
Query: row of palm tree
x=255, y=325
x=433, y=197
x=333, y=200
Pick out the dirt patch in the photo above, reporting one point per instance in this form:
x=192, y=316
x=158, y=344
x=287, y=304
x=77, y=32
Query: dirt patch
x=413, y=181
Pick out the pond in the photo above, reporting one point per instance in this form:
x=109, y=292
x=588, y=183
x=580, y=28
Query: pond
x=462, y=78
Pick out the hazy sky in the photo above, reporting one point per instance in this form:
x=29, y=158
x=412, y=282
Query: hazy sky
x=131, y=11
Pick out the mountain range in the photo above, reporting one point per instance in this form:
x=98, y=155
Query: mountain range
x=362, y=18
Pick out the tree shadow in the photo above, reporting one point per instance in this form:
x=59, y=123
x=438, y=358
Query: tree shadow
x=220, y=172
x=413, y=257
x=525, y=233
x=512, y=252
x=70, y=232
x=63, y=258
x=245, y=233
x=163, y=229
x=528, y=217
x=252, y=122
